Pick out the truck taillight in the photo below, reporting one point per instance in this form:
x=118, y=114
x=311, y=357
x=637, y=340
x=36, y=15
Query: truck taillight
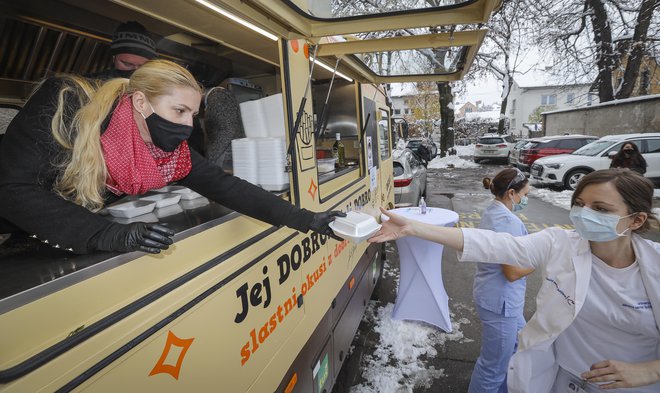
x=478, y=145
x=402, y=182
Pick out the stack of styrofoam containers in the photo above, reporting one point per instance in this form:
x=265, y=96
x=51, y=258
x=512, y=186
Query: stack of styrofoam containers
x=254, y=120
x=271, y=153
x=273, y=110
x=264, y=117
x=244, y=153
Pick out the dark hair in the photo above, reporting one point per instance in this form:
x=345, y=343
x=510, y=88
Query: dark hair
x=635, y=189
x=634, y=161
x=504, y=181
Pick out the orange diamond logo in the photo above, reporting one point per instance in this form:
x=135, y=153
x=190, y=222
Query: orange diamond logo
x=173, y=344
x=312, y=189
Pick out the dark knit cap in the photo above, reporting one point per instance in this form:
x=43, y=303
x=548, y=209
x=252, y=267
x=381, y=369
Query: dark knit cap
x=132, y=37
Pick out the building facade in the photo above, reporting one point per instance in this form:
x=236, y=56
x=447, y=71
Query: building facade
x=529, y=97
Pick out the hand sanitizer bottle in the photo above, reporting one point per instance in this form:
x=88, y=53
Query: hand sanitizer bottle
x=422, y=206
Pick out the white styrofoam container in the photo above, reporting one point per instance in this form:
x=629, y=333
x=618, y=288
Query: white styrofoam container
x=163, y=199
x=355, y=227
x=185, y=192
x=131, y=209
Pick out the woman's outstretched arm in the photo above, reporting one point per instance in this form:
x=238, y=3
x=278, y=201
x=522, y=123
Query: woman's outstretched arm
x=397, y=227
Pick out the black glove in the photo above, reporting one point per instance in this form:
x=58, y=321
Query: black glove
x=320, y=223
x=138, y=236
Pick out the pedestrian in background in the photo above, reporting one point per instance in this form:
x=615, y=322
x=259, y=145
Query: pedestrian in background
x=598, y=308
x=629, y=157
x=499, y=290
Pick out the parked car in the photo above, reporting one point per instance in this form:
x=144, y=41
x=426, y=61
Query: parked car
x=409, y=178
x=414, y=144
x=515, y=151
x=566, y=170
x=493, y=146
x=550, y=146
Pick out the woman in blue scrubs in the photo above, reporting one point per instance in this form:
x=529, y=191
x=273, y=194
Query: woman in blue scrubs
x=499, y=290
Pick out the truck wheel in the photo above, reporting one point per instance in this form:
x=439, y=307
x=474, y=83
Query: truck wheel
x=573, y=178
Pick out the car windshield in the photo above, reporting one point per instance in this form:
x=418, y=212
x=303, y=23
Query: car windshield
x=593, y=148
x=414, y=143
x=490, y=141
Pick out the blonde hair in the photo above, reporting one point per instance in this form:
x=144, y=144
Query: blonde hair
x=84, y=174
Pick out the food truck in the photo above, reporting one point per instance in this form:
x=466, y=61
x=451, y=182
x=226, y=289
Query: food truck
x=235, y=304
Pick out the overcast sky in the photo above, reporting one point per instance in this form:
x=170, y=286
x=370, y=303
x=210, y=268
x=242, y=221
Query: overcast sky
x=488, y=91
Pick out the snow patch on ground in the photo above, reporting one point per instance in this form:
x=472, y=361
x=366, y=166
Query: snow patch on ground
x=465, y=150
x=557, y=198
x=400, y=362
x=451, y=161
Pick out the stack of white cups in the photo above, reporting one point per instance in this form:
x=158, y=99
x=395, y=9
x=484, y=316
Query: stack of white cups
x=244, y=154
x=271, y=153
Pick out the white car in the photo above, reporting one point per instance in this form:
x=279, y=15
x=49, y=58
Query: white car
x=493, y=146
x=409, y=178
x=566, y=170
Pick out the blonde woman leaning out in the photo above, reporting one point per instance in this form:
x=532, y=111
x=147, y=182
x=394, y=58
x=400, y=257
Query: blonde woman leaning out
x=598, y=308
x=75, y=147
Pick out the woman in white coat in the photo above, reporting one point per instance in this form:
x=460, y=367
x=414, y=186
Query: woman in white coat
x=598, y=308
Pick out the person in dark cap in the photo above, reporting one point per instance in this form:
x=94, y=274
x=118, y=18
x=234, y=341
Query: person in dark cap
x=131, y=46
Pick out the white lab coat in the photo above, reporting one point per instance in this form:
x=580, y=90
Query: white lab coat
x=564, y=260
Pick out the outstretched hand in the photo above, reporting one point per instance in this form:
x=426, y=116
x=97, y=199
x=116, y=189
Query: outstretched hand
x=622, y=374
x=394, y=228
x=321, y=220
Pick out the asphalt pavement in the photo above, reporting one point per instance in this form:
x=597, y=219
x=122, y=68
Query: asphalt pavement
x=461, y=190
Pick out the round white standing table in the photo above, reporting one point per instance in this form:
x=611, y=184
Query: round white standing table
x=422, y=294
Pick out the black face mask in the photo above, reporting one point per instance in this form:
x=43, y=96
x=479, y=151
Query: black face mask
x=165, y=134
x=124, y=73
x=627, y=153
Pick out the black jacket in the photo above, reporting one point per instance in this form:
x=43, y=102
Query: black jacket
x=636, y=163
x=27, y=174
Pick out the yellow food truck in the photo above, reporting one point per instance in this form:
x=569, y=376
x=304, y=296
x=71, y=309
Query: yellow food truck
x=235, y=305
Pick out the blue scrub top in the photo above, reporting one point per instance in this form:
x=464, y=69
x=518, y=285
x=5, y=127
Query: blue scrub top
x=492, y=290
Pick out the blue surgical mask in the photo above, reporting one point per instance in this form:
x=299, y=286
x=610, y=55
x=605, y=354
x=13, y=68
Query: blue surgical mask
x=595, y=226
x=519, y=206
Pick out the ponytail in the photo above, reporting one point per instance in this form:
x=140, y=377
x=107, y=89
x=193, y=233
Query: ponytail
x=84, y=176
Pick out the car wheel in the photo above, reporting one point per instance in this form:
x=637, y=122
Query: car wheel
x=477, y=160
x=573, y=178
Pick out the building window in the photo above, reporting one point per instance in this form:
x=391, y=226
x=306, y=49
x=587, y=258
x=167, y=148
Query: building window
x=550, y=99
x=570, y=97
x=590, y=98
x=513, y=124
x=407, y=111
x=397, y=111
x=513, y=106
x=468, y=110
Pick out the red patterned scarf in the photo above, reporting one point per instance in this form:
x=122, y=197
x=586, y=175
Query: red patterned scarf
x=135, y=167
